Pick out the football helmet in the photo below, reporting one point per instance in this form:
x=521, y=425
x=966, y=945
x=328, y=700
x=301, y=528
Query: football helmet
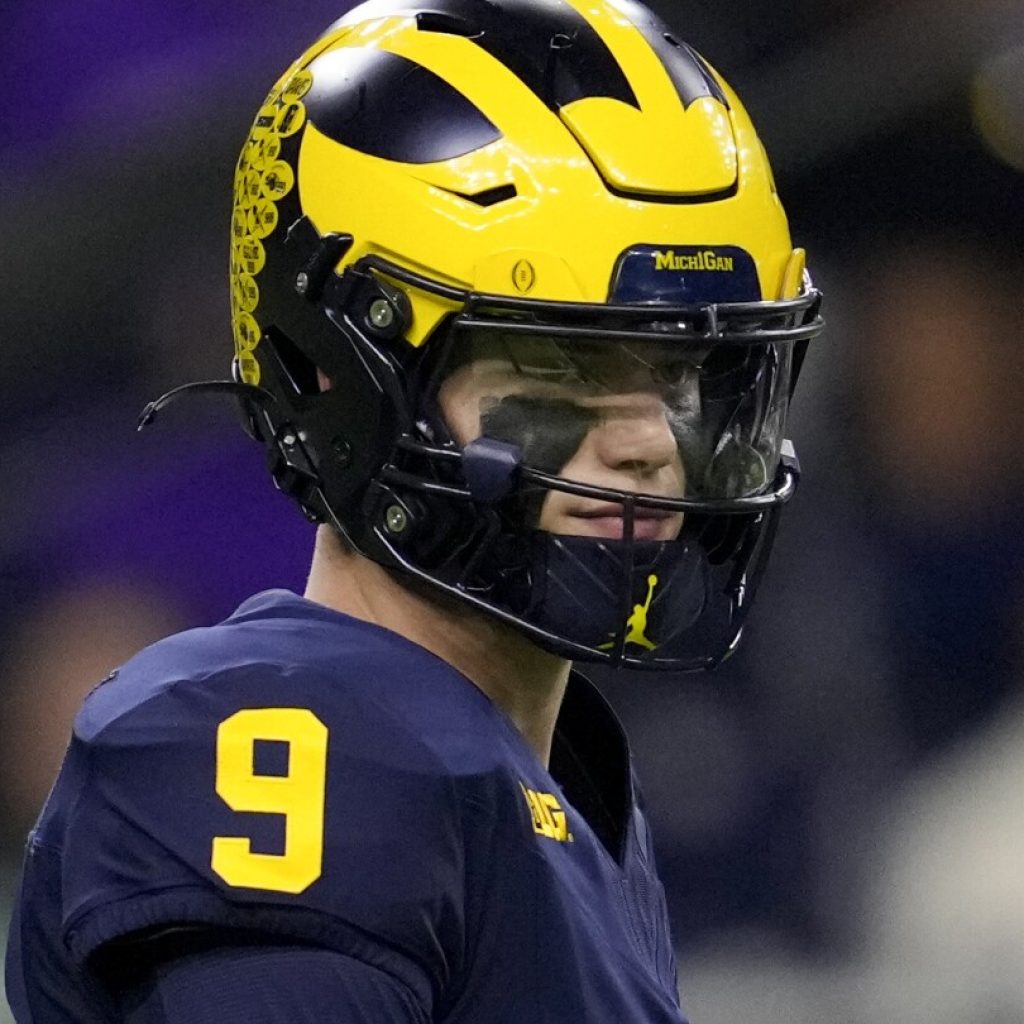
x=516, y=311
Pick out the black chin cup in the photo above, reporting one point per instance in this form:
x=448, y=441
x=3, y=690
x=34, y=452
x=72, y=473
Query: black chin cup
x=638, y=599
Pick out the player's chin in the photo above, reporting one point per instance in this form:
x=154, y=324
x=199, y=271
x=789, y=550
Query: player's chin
x=646, y=527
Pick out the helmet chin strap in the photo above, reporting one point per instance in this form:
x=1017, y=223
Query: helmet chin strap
x=250, y=392
x=290, y=465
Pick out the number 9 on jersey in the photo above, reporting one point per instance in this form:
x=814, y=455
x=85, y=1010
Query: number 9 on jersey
x=298, y=795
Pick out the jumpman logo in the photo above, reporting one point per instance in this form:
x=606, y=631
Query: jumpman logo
x=636, y=624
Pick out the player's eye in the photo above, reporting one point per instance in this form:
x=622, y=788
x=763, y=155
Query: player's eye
x=726, y=372
x=674, y=372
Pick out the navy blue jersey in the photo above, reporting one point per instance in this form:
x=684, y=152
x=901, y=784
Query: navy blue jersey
x=294, y=775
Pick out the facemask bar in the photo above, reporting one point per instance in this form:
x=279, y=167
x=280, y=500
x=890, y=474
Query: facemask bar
x=732, y=324
x=729, y=323
x=485, y=473
x=741, y=587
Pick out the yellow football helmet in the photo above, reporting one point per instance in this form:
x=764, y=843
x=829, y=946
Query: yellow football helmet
x=475, y=244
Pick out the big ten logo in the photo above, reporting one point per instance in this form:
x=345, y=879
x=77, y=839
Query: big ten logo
x=548, y=818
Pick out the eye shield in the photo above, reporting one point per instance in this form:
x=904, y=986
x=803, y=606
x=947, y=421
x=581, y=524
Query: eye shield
x=537, y=376
x=709, y=418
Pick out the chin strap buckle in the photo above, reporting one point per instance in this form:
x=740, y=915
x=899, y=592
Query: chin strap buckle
x=291, y=467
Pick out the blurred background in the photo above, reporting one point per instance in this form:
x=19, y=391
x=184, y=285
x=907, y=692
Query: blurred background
x=840, y=809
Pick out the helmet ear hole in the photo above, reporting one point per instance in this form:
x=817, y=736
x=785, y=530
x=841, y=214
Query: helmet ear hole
x=297, y=369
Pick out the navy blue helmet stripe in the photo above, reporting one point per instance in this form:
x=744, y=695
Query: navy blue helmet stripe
x=714, y=88
x=551, y=47
x=690, y=75
x=387, y=106
x=362, y=98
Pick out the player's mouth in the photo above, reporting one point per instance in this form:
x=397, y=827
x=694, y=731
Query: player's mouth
x=606, y=521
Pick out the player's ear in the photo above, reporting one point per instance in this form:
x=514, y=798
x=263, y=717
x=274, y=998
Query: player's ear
x=323, y=380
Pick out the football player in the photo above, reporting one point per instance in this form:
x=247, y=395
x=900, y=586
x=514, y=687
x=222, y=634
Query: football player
x=517, y=318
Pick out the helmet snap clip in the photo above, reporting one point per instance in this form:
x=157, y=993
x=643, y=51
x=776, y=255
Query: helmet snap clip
x=490, y=468
x=322, y=257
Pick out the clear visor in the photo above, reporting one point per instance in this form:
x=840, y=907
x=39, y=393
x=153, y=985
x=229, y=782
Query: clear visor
x=663, y=417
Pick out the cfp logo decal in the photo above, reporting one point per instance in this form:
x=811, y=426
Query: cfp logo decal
x=636, y=624
x=524, y=276
x=706, y=260
x=548, y=817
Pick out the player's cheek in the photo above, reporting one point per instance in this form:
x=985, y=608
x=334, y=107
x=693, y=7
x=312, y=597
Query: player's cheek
x=460, y=408
x=554, y=513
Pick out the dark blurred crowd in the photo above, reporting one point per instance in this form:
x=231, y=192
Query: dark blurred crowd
x=838, y=809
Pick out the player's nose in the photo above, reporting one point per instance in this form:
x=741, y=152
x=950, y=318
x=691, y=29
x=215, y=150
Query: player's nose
x=633, y=435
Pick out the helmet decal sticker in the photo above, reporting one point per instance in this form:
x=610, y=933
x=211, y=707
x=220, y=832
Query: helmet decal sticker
x=277, y=181
x=681, y=274
x=250, y=255
x=297, y=86
x=289, y=119
x=262, y=218
x=524, y=277
x=247, y=333
x=262, y=180
x=636, y=624
x=245, y=293
x=263, y=151
x=250, y=190
x=708, y=259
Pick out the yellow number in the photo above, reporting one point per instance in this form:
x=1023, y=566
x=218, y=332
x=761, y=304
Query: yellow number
x=299, y=796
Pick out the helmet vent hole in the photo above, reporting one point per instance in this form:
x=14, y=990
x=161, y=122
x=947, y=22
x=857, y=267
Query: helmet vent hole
x=490, y=196
x=671, y=40
x=447, y=24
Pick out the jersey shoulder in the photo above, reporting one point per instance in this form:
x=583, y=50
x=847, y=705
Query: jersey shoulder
x=290, y=771
x=282, y=650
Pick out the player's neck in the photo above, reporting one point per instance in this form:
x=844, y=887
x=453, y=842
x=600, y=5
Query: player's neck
x=526, y=682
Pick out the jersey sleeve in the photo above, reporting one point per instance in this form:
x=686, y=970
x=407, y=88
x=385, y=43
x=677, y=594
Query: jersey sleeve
x=268, y=985
x=287, y=808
